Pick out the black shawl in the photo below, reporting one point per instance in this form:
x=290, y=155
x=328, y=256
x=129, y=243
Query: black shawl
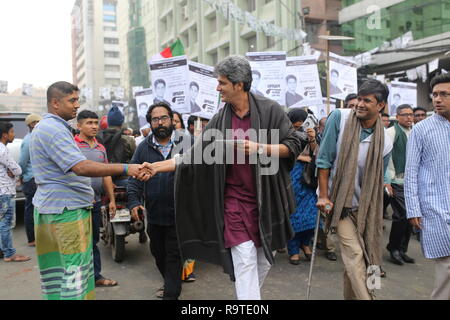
x=199, y=191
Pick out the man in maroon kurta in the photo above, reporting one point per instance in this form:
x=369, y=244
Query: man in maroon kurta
x=236, y=214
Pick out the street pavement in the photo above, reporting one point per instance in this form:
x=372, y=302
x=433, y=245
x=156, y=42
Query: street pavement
x=139, y=278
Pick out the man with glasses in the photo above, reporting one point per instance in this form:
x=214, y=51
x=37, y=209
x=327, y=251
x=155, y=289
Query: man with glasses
x=394, y=179
x=419, y=114
x=428, y=170
x=158, y=195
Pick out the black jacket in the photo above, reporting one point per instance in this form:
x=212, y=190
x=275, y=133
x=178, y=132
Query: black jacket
x=159, y=190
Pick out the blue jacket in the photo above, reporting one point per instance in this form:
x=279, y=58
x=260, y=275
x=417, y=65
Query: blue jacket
x=157, y=194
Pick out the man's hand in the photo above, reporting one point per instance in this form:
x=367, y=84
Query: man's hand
x=390, y=191
x=139, y=171
x=304, y=158
x=324, y=205
x=10, y=174
x=134, y=212
x=311, y=134
x=247, y=147
x=112, y=208
x=416, y=222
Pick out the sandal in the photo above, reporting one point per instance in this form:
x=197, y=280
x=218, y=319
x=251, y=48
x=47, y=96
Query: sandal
x=160, y=293
x=295, y=262
x=103, y=282
x=17, y=258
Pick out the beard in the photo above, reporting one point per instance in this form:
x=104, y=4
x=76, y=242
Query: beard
x=163, y=132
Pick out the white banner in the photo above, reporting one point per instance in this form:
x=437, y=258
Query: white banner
x=269, y=71
x=3, y=86
x=144, y=99
x=402, y=93
x=170, y=82
x=203, y=96
x=27, y=89
x=302, y=82
x=343, y=76
x=105, y=93
x=135, y=89
x=86, y=93
x=119, y=93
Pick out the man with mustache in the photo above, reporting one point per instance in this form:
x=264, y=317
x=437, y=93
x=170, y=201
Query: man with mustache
x=353, y=156
x=158, y=195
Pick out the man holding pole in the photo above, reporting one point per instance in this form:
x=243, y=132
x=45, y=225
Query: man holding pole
x=353, y=153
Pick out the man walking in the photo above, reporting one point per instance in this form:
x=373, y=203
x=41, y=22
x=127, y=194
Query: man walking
x=28, y=184
x=235, y=213
x=350, y=164
x=64, y=199
x=401, y=229
x=94, y=151
x=119, y=147
x=427, y=184
x=158, y=195
x=9, y=171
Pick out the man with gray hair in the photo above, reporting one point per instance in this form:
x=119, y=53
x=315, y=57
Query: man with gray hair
x=229, y=213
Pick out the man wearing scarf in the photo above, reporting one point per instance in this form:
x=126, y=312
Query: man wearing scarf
x=354, y=150
x=401, y=229
x=229, y=213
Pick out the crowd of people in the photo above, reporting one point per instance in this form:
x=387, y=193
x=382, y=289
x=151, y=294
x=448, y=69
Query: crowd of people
x=235, y=211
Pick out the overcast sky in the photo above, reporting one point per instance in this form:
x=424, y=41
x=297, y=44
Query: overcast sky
x=35, y=42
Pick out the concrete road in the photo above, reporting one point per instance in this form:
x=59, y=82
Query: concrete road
x=139, y=278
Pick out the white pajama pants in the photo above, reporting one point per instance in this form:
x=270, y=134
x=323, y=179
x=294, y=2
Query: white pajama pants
x=250, y=269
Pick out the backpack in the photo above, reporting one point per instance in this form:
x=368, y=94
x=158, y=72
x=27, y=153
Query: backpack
x=114, y=144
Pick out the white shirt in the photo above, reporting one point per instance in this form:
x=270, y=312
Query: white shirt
x=7, y=184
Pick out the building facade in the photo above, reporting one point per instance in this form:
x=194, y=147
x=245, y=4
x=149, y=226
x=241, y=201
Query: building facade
x=96, y=50
x=372, y=22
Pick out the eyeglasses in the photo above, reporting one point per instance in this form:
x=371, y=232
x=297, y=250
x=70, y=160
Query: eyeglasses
x=164, y=119
x=406, y=115
x=442, y=94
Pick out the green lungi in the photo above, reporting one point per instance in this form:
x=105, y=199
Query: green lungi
x=65, y=256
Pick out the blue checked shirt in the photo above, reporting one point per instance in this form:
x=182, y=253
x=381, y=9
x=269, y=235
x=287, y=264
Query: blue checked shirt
x=427, y=183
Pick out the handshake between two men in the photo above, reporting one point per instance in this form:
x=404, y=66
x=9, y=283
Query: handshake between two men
x=146, y=171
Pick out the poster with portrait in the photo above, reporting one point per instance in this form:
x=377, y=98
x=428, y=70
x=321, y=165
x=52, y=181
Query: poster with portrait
x=203, y=96
x=401, y=93
x=3, y=86
x=302, y=82
x=343, y=76
x=144, y=99
x=27, y=89
x=269, y=72
x=320, y=110
x=105, y=93
x=170, y=82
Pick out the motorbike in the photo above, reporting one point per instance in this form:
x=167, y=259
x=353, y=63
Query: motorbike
x=116, y=229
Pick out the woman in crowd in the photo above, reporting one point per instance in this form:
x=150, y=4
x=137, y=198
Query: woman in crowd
x=304, y=218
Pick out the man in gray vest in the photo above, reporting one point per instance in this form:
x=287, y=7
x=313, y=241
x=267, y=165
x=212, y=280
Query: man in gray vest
x=401, y=229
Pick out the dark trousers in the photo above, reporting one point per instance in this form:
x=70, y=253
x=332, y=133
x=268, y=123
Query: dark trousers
x=401, y=228
x=29, y=189
x=96, y=221
x=164, y=247
x=386, y=202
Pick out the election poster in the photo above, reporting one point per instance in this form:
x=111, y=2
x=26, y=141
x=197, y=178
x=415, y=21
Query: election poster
x=170, y=83
x=268, y=72
x=203, y=96
x=144, y=99
x=302, y=82
x=343, y=76
x=105, y=93
x=3, y=86
x=27, y=89
x=401, y=93
x=320, y=110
